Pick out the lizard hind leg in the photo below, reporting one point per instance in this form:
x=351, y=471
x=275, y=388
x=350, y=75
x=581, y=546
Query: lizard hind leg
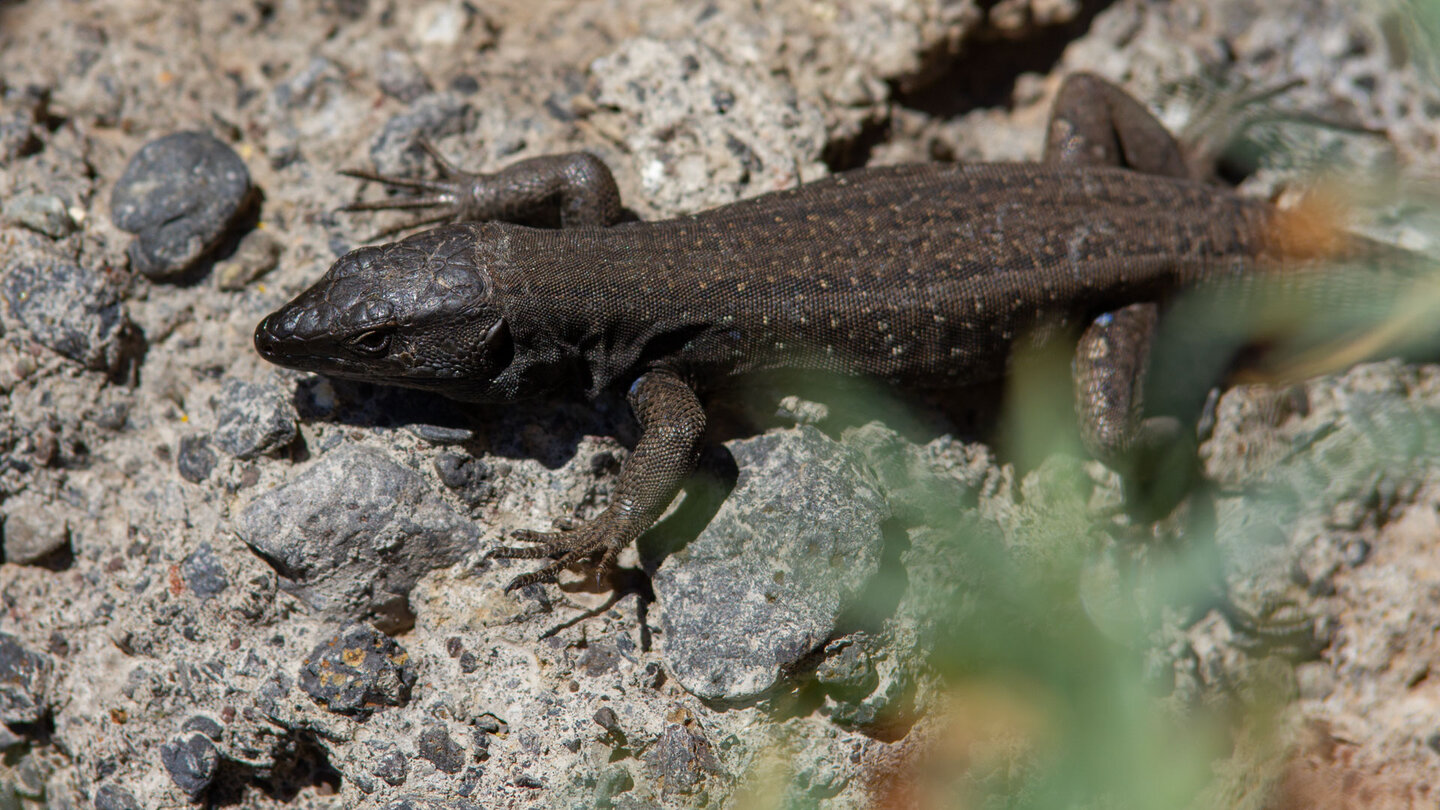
x=1095, y=123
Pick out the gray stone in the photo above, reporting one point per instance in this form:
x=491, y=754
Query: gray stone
x=34, y=529
x=417, y=803
x=204, y=573
x=114, y=797
x=680, y=759
x=253, y=418
x=436, y=745
x=192, y=761
x=195, y=459
x=257, y=254
x=392, y=766
x=24, y=680
x=42, y=213
x=431, y=116
x=208, y=726
x=180, y=195
x=352, y=534
x=611, y=783
x=19, y=110
x=468, y=476
x=786, y=554
x=399, y=76
x=357, y=671
x=9, y=739
x=69, y=309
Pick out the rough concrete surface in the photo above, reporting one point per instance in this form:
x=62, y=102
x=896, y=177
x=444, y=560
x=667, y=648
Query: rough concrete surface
x=225, y=584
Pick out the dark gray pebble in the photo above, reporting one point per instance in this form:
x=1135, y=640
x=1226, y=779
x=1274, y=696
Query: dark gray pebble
x=441, y=434
x=114, y=797
x=19, y=114
x=208, y=726
x=195, y=459
x=68, y=309
x=680, y=759
x=442, y=751
x=24, y=679
x=392, y=766
x=180, y=195
x=358, y=671
x=192, y=761
x=253, y=418
x=204, y=573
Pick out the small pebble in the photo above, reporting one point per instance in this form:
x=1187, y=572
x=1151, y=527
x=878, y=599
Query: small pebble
x=192, y=761
x=42, y=213
x=257, y=254
x=180, y=195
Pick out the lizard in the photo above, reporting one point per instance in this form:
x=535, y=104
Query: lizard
x=921, y=275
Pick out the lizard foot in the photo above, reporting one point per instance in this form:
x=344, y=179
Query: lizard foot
x=447, y=193
x=585, y=542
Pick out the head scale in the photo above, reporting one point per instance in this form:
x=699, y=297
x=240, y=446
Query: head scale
x=420, y=313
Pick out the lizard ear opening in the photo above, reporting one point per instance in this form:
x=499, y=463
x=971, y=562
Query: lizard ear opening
x=496, y=347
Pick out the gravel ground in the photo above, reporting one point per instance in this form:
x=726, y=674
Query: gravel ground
x=226, y=584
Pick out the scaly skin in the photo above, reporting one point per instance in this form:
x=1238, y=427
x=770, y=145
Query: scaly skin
x=916, y=275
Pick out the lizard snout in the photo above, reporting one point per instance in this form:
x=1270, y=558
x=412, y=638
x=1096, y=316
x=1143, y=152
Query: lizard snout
x=270, y=337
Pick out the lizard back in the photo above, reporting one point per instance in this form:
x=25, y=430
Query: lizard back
x=919, y=275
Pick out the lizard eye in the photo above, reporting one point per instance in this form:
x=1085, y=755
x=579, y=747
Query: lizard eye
x=371, y=342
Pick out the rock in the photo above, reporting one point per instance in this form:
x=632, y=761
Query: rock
x=204, y=573
x=24, y=680
x=390, y=765
x=399, y=76
x=9, y=739
x=611, y=783
x=20, y=109
x=257, y=254
x=192, y=762
x=180, y=195
x=34, y=529
x=42, y=213
x=417, y=803
x=467, y=475
x=352, y=534
x=357, y=671
x=114, y=797
x=208, y=726
x=195, y=459
x=702, y=125
x=431, y=116
x=253, y=418
x=786, y=554
x=680, y=759
x=66, y=308
x=443, y=752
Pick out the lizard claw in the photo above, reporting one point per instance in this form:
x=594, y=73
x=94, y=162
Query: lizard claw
x=586, y=542
x=446, y=193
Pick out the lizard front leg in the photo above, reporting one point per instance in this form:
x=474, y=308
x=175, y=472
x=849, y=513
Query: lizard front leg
x=672, y=423
x=575, y=186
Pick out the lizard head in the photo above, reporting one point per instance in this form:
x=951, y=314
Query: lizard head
x=418, y=313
